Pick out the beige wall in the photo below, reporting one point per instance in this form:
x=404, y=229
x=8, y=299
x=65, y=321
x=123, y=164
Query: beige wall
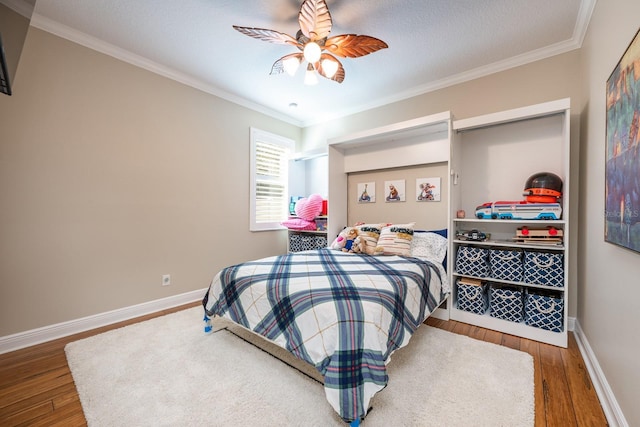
x=608, y=301
x=110, y=177
x=426, y=215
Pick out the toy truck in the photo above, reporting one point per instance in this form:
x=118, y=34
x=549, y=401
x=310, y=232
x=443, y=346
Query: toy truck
x=519, y=210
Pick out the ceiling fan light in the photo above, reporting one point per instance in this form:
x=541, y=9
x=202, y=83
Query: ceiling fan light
x=312, y=52
x=291, y=65
x=330, y=67
x=310, y=77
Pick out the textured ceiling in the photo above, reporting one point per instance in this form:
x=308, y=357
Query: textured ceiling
x=432, y=44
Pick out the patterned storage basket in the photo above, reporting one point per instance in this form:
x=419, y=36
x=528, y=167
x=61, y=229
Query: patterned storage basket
x=472, y=296
x=544, y=310
x=505, y=302
x=295, y=243
x=544, y=268
x=472, y=261
x=506, y=264
x=321, y=242
x=299, y=242
x=308, y=242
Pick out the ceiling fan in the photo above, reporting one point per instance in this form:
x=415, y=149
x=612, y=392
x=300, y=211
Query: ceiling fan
x=315, y=45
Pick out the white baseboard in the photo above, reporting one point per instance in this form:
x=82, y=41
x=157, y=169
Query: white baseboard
x=610, y=406
x=47, y=333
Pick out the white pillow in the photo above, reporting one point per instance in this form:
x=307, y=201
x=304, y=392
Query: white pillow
x=429, y=245
x=395, y=240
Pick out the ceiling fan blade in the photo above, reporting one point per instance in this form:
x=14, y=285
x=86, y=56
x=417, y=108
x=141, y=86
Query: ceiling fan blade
x=278, y=66
x=315, y=19
x=270, y=36
x=353, y=46
x=338, y=76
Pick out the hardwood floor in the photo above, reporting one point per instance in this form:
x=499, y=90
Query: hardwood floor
x=37, y=389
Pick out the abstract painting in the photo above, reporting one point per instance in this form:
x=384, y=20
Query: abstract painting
x=622, y=168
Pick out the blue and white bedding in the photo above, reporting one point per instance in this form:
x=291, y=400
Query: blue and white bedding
x=343, y=313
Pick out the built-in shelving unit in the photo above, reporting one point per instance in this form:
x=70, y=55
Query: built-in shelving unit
x=492, y=158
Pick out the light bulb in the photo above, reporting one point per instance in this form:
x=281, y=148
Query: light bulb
x=291, y=65
x=312, y=52
x=310, y=77
x=330, y=67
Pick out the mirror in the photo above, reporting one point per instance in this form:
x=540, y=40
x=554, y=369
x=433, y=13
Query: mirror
x=14, y=23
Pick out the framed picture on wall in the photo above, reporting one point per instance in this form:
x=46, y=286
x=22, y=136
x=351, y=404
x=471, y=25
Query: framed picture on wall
x=367, y=192
x=428, y=189
x=622, y=187
x=394, y=191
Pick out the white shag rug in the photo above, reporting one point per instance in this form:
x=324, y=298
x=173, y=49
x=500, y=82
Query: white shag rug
x=168, y=372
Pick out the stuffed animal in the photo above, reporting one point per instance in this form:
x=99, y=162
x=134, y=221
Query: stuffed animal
x=359, y=245
x=350, y=239
x=338, y=243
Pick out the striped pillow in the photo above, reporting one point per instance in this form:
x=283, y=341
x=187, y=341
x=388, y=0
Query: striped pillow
x=395, y=240
x=368, y=235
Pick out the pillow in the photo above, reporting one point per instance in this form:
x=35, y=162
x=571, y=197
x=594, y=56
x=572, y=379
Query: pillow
x=299, y=224
x=444, y=232
x=429, y=245
x=395, y=240
x=368, y=234
x=309, y=208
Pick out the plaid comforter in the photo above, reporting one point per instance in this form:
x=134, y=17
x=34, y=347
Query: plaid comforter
x=343, y=313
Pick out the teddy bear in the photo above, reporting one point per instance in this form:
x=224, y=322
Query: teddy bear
x=359, y=245
x=349, y=244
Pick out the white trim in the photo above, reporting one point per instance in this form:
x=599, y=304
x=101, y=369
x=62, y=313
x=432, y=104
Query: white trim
x=310, y=154
x=476, y=73
x=608, y=401
x=45, y=24
x=582, y=23
x=47, y=333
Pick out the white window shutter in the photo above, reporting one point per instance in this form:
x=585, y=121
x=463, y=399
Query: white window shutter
x=269, y=178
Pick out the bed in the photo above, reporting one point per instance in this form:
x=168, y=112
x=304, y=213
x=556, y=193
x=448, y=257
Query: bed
x=344, y=313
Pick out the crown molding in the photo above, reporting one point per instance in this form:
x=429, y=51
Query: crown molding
x=455, y=79
x=53, y=27
x=575, y=42
x=45, y=24
x=584, y=18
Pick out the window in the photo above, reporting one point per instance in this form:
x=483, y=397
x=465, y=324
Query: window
x=269, y=179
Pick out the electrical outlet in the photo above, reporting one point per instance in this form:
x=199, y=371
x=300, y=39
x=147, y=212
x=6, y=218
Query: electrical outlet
x=166, y=279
